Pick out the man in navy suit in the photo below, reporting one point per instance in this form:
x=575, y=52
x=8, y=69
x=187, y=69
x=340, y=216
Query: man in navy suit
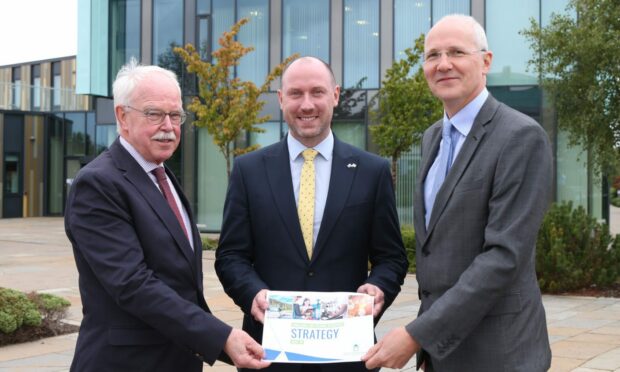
x=137, y=248
x=262, y=246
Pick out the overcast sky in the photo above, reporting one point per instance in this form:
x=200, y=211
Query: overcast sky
x=33, y=30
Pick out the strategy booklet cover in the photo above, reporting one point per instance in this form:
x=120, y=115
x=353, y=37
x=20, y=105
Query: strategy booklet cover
x=317, y=327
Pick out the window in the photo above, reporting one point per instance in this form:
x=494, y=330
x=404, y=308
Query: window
x=511, y=52
x=56, y=86
x=361, y=43
x=442, y=8
x=254, y=66
x=124, y=33
x=167, y=33
x=35, y=90
x=411, y=18
x=305, y=29
x=17, y=87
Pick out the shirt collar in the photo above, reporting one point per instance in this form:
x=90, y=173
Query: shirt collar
x=464, y=119
x=325, y=148
x=148, y=166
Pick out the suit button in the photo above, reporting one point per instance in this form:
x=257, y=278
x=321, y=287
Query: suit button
x=310, y=273
x=425, y=293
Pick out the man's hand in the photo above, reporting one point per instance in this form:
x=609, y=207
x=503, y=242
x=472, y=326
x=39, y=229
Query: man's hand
x=259, y=305
x=373, y=290
x=393, y=351
x=244, y=351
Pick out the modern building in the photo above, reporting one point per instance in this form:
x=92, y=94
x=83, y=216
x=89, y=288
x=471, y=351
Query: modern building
x=46, y=133
x=359, y=38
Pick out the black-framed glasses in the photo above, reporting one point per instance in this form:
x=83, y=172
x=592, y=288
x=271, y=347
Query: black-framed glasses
x=157, y=117
x=434, y=56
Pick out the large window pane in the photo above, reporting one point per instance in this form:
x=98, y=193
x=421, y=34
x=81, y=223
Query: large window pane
x=167, y=32
x=254, y=66
x=211, y=182
x=106, y=134
x=125, y=33
x=442, y=8
x=549, y=7
x=75, y=127
x=411, y=18
x=203, y=7
x=55, y=160
x=223, y=19
x=361, y=43
x=511, y=52
x=351, y=132
x=305, y=29
x=270, y=136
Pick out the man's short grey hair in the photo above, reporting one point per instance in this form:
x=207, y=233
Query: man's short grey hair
x=480, y=37
x=129, y=77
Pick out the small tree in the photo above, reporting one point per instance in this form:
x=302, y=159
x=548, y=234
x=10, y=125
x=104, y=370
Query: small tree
x=576, y=57
x=406, y=107
x=227, y=106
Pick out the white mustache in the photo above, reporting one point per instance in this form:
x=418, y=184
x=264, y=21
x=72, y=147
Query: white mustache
x=161, y=136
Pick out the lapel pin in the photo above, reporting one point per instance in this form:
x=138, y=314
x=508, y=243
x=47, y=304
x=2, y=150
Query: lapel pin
x=351, y=165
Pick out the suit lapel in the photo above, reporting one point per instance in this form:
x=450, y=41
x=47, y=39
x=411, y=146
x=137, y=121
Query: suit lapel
x=145, y=186
x=278, y=169
x=427, y=162
x=463, y=159
x=340, y=183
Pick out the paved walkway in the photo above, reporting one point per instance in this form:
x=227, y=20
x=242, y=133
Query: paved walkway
x=36, y=255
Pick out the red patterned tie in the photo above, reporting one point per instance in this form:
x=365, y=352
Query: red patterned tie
x=162, y=181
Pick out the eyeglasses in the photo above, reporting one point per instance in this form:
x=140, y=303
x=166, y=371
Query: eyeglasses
x=451, y=54
x=157, y=117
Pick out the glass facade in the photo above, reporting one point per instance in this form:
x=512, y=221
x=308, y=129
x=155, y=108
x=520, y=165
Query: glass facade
x=358, y=46
x=305, y=29
x=35, y=90
x=361, y=43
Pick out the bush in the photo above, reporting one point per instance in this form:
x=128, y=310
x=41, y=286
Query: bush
x=574, y=251
x=208, y=244
x=614, y=197
x=16, y=310
x=408, y=234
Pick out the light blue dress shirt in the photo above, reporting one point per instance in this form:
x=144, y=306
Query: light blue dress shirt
x=462, y=122
x=322, y=171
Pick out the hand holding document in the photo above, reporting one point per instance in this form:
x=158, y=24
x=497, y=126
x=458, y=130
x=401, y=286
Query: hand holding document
x=317, y=327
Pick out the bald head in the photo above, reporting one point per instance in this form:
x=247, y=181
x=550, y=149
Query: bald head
x=469, y=23
x=308, y=60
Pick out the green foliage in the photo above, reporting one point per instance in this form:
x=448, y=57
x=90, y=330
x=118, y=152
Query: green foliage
x=227, y=106
x=16, y=310
x=408, y=234
x=614, y=197
x=208, y=244
x=52, y=308
x=574, y=251
x=406, y=107
x=577, y=59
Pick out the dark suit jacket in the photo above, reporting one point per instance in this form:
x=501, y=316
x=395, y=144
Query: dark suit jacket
x=140, y=282
x=261, y=244
x=481, y=305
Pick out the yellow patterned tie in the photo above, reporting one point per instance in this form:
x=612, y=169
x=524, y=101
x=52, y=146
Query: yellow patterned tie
x=305, y=206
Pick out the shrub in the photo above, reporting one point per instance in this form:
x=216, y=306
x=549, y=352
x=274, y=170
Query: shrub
x=208, y=244
x=53, y=308
x=16, y=310
x=408, y=234
x=574, y=251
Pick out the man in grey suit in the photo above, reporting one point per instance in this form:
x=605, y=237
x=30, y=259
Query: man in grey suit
x=483, y=188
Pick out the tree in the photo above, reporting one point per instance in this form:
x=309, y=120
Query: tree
x=406, y=107
x=577, y=61
x=227, y=106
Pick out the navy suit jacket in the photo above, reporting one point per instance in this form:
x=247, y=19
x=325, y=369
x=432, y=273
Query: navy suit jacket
x=140, y=282
x=261, y=244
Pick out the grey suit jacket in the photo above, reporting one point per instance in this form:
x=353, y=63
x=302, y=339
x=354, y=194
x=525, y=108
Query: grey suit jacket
x=481, y=305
